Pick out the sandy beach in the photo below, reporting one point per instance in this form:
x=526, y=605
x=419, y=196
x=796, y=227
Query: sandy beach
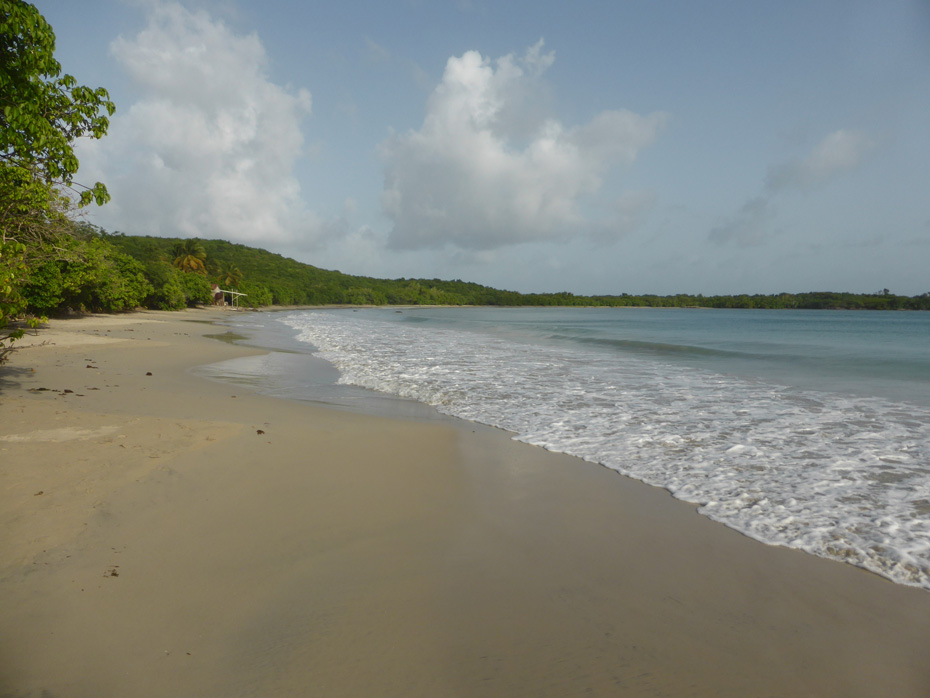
x=162, y=534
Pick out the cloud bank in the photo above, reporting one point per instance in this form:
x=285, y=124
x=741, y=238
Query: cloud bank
x=209, y=150
x=485, y=171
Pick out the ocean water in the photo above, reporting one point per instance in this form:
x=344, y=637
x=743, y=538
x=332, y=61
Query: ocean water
x=807, y=429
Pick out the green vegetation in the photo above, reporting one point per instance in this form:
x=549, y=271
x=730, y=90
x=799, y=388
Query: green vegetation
x=190, y=256
x=269, y=278
x=85, y=273
x=102, y=272
x=42, y=113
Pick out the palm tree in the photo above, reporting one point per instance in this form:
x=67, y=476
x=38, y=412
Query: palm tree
x=228, y=274
x=189, y=255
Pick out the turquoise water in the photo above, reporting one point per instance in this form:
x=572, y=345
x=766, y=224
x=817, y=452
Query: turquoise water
x=866, y=353
x=808, y=429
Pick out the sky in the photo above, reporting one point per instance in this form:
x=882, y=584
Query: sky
x=629, y=146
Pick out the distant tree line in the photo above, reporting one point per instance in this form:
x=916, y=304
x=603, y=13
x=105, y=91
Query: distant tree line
x=271, y=279
x=86, y=269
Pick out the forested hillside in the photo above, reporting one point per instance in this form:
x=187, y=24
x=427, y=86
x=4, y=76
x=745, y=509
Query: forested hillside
x=269, y=278
x=86, y=269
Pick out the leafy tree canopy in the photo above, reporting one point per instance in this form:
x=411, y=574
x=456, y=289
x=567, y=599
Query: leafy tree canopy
x=42, y=113
x=228, y=274
x=190, y=255
x=269, y=278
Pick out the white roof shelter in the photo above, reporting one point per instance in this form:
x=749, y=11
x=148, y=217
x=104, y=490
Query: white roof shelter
x=234, y=297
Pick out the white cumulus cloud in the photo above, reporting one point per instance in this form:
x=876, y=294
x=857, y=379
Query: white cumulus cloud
x=485, y=170
x=210, y=147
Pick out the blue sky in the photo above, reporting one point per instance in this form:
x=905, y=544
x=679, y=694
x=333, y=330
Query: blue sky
x=595, y=147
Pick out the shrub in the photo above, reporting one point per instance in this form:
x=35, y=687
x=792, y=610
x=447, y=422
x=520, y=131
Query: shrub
x=196, y=288
x=256, y=296
x=84, y=274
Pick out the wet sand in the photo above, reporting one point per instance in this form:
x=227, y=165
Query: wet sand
x=166, y=534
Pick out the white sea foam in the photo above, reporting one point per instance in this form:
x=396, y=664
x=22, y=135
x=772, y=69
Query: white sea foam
x=838, y=476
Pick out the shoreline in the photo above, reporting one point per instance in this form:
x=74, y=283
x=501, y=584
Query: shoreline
x=168, y=534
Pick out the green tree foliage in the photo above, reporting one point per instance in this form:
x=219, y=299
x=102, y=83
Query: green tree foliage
x=167, y=292
x=42, y=113
x=228, y=274
x=87, y=274
x=173, y=289
x=12, y=303
x=196, y=289
x=273, y=279
x=256, y=295
x=190, y=256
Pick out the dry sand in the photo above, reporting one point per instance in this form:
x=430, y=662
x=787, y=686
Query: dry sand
x=166, y=535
